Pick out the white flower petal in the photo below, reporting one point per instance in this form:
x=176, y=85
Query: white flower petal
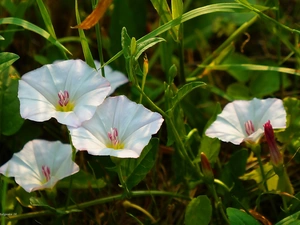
x=230, y=124
x=114, y=77
x=135, y=125
x=38, y=92
x=26, y=165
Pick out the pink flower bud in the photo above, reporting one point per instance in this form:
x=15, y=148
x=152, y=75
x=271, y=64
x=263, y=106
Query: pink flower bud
x=276, y=157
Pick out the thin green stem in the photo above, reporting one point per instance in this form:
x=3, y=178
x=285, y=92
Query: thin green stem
x=97, y=202
x=153, y=105
x=218, y=202
x=99, y=42
x=256, y=149
x=264, y=179
x=100, y=49
x=123, y=183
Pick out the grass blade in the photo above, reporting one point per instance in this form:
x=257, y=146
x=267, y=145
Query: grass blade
x=29, y=26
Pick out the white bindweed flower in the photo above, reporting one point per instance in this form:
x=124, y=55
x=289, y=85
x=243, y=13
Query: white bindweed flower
x=119, y=128
x=114, y=77
x=244, y=120
x=40, y=164
x=69, y=91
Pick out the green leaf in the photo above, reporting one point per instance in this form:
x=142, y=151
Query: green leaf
x=142, y=47
x=177, y=8
x=29, y=26
x=183, y=91
x=46, y=18
x=198, y=211
x=7, y=59
x=290, y=220
x=1, y=38
x=10, y=118
x=126, y=42
x=238, y=217
x=81, y=180
x=84, y=42
x=211, y=146
x=254, y=67
x=134, y=170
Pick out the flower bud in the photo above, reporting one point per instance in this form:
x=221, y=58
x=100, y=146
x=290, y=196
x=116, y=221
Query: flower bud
x=276, y=157
x=208, y=174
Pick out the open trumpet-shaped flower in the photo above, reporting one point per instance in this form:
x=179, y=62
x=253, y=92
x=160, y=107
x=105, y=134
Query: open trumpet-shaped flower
x=69, y=91
x=119, y=128
x=114, y=77
x=40, y=164
x=244, y=120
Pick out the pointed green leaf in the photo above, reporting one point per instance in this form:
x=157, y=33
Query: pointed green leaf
x=254, y=67
x=46, y=18
x=135, y=170
x=142, y=47
x=10, y=118
x=177, y=10
x=29, y=26
x=7, y=59
x=1, y=38
x=198, y=211
x=126, y=42
x=238, y=217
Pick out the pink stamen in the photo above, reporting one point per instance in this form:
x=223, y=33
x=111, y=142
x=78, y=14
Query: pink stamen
x=249, y=127
x=46, y=172
x=113, y=136
x=63, y=98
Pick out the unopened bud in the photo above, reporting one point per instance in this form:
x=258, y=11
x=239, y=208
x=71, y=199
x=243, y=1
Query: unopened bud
x=276, y=157
x=145, y=65
x=208, y=174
